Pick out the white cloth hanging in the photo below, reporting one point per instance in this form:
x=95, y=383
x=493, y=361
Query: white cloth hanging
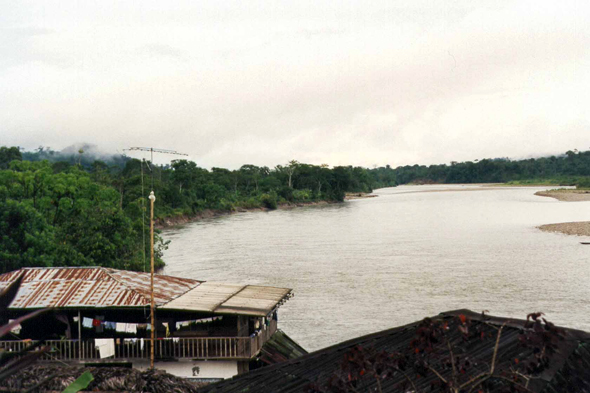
x=87, y=322
x=105, y=346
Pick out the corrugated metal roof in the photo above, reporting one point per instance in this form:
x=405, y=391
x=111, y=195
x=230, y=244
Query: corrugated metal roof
x=230, y=299
x=92, y=287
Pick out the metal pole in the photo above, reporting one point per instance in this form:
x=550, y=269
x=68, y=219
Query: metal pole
x=152, y=306
x=79, y=336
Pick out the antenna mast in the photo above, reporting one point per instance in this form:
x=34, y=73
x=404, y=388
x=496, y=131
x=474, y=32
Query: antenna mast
x=152, y=198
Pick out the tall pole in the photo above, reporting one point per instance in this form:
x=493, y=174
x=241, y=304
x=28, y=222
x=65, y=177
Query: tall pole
x=79, y=336
x=152, y=306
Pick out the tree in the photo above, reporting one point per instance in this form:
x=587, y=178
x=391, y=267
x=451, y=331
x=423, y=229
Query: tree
x=9, y=154
x=289, y=170
x=26, y=239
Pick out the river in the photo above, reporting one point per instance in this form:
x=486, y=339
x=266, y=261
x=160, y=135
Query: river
x=414, y=251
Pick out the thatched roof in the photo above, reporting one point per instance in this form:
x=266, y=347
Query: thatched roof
x=52, y=378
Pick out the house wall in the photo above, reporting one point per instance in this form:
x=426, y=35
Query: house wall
x=215, y=369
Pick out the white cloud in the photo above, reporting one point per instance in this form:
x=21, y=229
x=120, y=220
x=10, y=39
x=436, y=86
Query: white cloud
x=264, y=82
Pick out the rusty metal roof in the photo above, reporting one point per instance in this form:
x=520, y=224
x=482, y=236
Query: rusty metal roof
x=65, y=287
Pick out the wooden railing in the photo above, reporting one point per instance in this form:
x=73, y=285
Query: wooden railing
x=243, y=348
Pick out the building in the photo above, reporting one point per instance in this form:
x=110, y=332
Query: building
x=568, y=369
x=100, y=316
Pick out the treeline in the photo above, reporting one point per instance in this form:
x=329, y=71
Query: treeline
x=72, y=211
x=573, y=168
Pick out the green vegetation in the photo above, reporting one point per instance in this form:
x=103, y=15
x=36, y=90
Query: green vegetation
x=573, y=168
x=79, y=212
x=66, y=219
x=71, y=209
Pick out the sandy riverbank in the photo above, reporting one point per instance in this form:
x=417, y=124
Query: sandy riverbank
x=359, y=195
x=566, y=195
x=581, y=228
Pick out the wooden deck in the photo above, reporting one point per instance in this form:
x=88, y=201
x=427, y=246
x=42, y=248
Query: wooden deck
x=205, y=348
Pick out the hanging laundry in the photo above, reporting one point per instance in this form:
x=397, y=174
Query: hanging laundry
x=120, y=327
x=16, y=329
x=99, y=326
x=87, y=322
x=110, y=325
x=131, y=328
x=141, y=343
x=105, y=346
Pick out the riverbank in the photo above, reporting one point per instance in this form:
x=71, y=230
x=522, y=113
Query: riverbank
x=581, y=228
x=566, y=195
x=183, y=219
x=359, y=195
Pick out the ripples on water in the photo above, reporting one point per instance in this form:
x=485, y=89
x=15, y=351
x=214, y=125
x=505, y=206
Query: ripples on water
x=371, y=264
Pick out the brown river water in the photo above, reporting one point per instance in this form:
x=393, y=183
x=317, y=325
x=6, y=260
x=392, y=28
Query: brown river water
x=371, y=264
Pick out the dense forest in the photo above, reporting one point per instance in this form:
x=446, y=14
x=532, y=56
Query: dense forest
x=572, y=168
x=79, y=208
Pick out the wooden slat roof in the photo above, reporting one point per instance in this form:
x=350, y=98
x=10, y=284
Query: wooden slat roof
x=230, y=299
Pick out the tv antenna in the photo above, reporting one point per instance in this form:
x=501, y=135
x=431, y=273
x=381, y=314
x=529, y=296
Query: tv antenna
x=152, y=150
x=152, y=199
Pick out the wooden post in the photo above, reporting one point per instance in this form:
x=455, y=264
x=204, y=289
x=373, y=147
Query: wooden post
x=79, y=336
x=152, y=305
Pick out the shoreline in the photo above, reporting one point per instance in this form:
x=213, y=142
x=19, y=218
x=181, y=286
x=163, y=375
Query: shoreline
x=578, y=228
x=171, y=222
x=174, y=221
x=566, y=195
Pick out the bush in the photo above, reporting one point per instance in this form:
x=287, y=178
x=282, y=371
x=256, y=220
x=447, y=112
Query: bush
x=302, y=195
x=583, y=183
x=269, y=201
x=286, y=193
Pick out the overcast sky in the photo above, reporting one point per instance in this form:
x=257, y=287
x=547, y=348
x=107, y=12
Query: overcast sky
x=263, y=82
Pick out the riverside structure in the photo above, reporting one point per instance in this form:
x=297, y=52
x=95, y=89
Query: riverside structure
x=100, y=317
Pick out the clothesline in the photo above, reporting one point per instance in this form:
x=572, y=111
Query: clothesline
x=99, y=324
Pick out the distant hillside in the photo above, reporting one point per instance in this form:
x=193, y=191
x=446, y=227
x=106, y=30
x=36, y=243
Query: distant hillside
x=571, y=168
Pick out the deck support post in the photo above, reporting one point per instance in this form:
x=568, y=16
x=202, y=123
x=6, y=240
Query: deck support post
x=79, y=336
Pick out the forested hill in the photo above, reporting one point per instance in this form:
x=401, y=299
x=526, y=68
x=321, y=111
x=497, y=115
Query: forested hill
x=69, y=209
